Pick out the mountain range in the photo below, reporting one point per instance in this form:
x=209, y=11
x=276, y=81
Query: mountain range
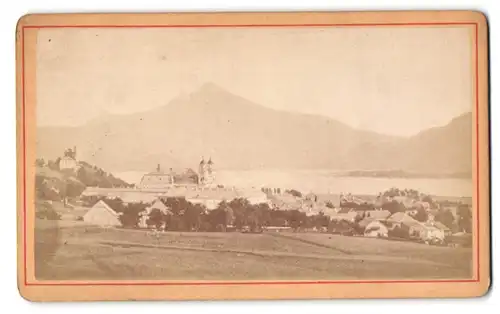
x=239, y=134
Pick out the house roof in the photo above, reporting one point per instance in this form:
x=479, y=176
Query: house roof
x=403, y=218
x=180, y=176
x=159, y=206
x=102, y=205
x=344, y=216
x=137, y=198
x=68, y=158
x=375, y=223
x=440, y=225
x=344, y=211
x=378, y=214
x=213, y=194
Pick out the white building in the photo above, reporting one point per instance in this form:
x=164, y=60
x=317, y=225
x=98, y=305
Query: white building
x=102, y=215
x=69, y=161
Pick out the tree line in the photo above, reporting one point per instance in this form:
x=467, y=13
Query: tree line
x=239, y=214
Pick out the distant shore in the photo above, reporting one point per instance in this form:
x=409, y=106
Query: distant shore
x=404, y=174
x=396, y=174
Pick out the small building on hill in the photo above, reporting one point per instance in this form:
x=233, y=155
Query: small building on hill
x=102, y=215
x=69, y=162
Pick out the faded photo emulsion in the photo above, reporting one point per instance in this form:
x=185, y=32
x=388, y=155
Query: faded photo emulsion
x=254, y=153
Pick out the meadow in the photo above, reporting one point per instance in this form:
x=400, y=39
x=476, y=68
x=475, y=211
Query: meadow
x=75, y=251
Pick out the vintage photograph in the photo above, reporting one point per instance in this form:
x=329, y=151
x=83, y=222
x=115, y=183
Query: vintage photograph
x=254, y=153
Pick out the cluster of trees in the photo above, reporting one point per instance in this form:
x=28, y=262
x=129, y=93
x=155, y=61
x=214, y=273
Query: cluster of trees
x=239, y=213
x=57, y=189
x=410, y=193
x=294, y=193
x=464, y=214
x=95, y=176
x=45, y=211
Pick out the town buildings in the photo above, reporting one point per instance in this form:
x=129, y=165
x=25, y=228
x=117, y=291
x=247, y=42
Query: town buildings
x=198, y=188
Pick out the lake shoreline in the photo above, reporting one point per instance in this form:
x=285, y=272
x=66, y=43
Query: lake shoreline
x=326, y=182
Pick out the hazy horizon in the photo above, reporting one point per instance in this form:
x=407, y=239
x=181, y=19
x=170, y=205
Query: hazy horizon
x=363, y=77
x=105, y=114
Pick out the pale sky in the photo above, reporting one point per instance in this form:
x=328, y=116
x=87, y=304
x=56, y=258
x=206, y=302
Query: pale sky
x=391, y=80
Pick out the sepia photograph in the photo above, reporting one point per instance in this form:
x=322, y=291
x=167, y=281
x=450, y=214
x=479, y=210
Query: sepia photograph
x=273, y=153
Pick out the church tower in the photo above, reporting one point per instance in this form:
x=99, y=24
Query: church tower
x=209, y=172
x=201, y=171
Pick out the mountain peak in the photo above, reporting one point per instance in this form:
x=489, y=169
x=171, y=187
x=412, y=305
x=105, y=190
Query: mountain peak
x=211, y=95
x=210, y=87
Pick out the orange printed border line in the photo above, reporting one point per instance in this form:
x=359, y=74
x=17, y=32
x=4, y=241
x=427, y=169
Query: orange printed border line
x=207, y=283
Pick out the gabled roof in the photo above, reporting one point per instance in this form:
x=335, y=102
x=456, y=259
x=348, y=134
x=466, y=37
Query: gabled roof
x=377, y=214
x=159, y=206
x=102, y=204
x=403, y=218
x=375, y=222
x=344, y=216
x=137, y=198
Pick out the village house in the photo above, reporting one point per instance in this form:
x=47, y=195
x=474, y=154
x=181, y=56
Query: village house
x=431, y=233
x=427, y=232
x=345, y=214
x=157, y=205
x=376, y=229
x=403, y=221
x=102, y=215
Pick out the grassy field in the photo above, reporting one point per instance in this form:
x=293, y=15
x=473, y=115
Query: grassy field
x=83, y=252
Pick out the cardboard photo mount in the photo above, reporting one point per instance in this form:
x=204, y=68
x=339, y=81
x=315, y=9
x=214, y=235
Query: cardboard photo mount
x=78, y=290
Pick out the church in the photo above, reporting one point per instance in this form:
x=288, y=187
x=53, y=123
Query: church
x=69, y=162
x=206, y=172
x=196, y=187
x=161, y=179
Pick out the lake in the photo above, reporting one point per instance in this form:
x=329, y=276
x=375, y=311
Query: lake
x=325, y=182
